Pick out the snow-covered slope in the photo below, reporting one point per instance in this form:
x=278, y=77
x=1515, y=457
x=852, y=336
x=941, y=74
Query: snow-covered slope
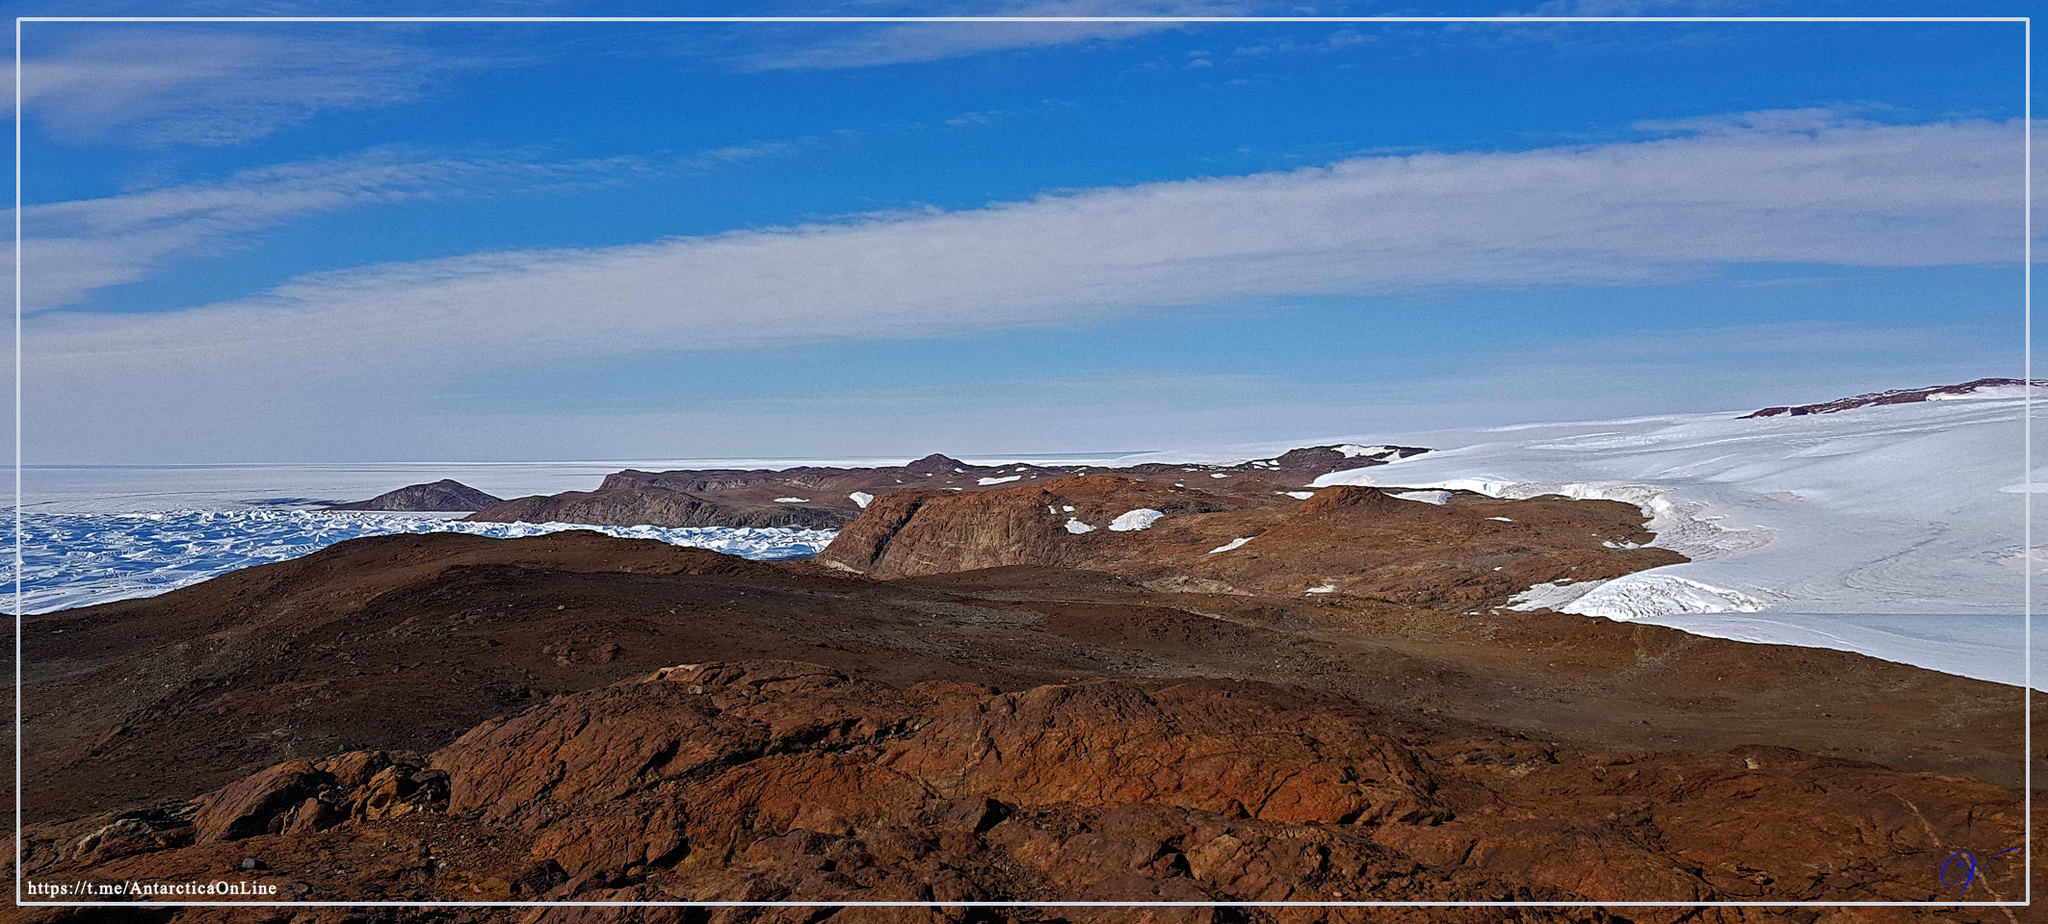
x=1913, y=508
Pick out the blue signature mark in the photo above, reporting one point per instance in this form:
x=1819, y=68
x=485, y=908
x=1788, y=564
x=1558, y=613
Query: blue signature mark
x=1964, y=866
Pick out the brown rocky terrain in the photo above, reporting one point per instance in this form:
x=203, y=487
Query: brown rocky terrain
x=572, y=716
x=1351, y=540
x=765, y=781
x=446, y=495
x=824, y=497
x=1896, y=396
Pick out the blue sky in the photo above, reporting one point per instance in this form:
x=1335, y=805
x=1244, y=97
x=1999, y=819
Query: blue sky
x=328, y=242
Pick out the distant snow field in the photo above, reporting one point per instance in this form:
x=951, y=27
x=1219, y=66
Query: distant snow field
x=1887, y=511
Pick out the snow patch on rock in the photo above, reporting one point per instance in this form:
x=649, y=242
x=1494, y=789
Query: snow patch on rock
x=1141, y=518
x=1636, y=596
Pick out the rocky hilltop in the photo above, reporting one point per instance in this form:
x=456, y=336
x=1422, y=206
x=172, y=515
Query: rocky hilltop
x=1896, y=396
x=971, y=700
x=1351, y=540
x=830, y=497
x=446, y=495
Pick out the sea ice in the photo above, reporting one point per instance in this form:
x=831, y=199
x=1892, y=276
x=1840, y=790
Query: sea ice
x=78, y=559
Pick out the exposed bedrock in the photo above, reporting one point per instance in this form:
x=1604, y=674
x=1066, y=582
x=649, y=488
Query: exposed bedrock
x=775, y=780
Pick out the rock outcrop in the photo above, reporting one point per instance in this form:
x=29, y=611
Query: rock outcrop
x=444, y=496
x=777, y=780
x=1350, y=540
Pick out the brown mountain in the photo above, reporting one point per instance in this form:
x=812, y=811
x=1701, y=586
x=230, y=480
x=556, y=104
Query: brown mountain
x=445, y=495
x=830, y=497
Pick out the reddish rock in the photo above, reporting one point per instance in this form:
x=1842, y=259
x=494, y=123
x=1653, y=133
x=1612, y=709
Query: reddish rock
x=1352, y=540
x=769, y=781
x=258, y=804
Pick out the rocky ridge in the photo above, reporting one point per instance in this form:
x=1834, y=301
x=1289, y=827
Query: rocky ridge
x=828, y=497
x=1896, y=396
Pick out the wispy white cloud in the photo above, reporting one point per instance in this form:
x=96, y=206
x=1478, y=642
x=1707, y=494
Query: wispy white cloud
x=76, y=247
x=157, y=84
x=1808, y=119
x=902, y=43
x=1847, y=194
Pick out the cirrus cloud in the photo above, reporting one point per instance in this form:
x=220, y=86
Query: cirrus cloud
x=389, y=336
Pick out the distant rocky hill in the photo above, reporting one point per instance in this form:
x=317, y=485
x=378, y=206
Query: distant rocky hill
x=1340, y=540
x=828, y=497
x=446, y=495
x=1896, y=396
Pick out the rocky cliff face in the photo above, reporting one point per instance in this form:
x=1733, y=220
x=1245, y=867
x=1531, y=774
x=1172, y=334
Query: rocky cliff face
x=775, y=780
x=446, y=495
x=1357, y=541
